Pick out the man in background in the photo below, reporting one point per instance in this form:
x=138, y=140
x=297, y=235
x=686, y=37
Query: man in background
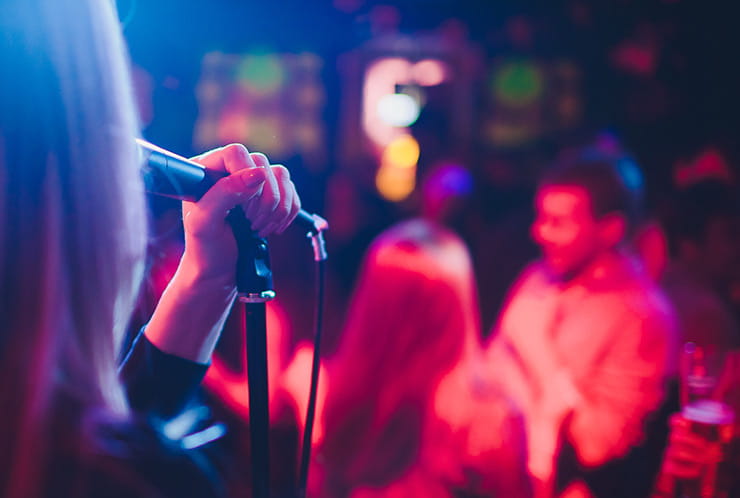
x=586, y=341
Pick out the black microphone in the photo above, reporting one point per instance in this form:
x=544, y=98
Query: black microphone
x=168, y=174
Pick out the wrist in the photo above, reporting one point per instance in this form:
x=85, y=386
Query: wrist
x=196, y=274
x=191, y=312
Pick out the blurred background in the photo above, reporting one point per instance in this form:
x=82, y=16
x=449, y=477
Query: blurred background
x=382, y=110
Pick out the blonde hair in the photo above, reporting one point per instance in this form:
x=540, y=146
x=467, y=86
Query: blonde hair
x=72, y=223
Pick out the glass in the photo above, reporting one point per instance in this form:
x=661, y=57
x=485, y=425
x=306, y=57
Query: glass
x=708, y=416
x=701, y=371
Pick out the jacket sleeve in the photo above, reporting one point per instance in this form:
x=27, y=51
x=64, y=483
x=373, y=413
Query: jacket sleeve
x=158, y=383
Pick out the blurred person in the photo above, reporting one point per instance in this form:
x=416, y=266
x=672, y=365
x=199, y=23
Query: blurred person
x=406, y=411
x=585, y=344
x=651, y=245
x=702, y=222
x=72, y=239
x=703, y=227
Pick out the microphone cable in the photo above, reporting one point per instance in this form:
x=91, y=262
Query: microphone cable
x=320, y=278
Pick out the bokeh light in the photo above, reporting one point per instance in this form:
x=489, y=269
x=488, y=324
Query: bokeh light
x=429, y=72
x=381, y=78
x=395, y=184
x=261, y=74
x=518, y=83
x=398, y=109
x=396, y=177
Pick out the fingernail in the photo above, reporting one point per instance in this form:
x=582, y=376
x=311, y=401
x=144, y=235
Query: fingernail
x=247, y=157
x=252, y=179
x=263, y=162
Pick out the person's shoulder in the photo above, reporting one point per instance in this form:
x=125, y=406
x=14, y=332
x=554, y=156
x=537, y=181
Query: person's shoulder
x=533, y=276
x=646, y=314
x=638, y=293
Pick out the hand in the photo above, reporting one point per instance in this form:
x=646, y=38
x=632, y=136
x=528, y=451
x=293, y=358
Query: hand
x=192, y=310
x=687, y=453
x=265, y=193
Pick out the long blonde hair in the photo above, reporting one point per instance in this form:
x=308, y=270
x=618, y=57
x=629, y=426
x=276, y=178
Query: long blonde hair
x=72, y=223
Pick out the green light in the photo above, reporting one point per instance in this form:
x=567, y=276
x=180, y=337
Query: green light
x=262, y=74
x=518, y=83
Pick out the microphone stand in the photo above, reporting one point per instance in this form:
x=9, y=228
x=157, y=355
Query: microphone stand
x=254, y=289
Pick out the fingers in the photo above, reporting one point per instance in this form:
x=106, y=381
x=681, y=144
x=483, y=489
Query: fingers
x=260, y=210
x=688, y=453
x=292, y=202
x=278, y=203
x=264, y=191
x=226, y=193
x=229, y=159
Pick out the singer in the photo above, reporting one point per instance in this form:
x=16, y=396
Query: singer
x=72, y=240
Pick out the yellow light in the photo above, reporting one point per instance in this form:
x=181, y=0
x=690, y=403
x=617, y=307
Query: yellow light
x=395, y=184
x=396, y=177
x=402, y=152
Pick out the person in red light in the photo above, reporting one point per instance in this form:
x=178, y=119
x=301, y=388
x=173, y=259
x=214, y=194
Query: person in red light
x=585, y=344
x=407, y=412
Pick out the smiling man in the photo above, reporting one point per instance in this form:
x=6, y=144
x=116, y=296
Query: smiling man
x=585, y=342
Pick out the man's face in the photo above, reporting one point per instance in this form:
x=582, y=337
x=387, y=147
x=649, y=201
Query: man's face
x=565, y=229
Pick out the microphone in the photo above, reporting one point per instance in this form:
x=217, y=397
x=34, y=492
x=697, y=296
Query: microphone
x=168, y=174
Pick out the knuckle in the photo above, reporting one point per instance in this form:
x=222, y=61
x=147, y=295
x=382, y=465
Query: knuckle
x=260, y=158
x=235, y=152
x=270, y=199
x=232, y=184
x=274, y=201
x=281, y=171
x=285, y=206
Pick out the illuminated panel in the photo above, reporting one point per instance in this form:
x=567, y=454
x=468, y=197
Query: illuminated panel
x=392, y=99
x=271, y=102
x=385, y=108
x=381, y=79
x=529, y=98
